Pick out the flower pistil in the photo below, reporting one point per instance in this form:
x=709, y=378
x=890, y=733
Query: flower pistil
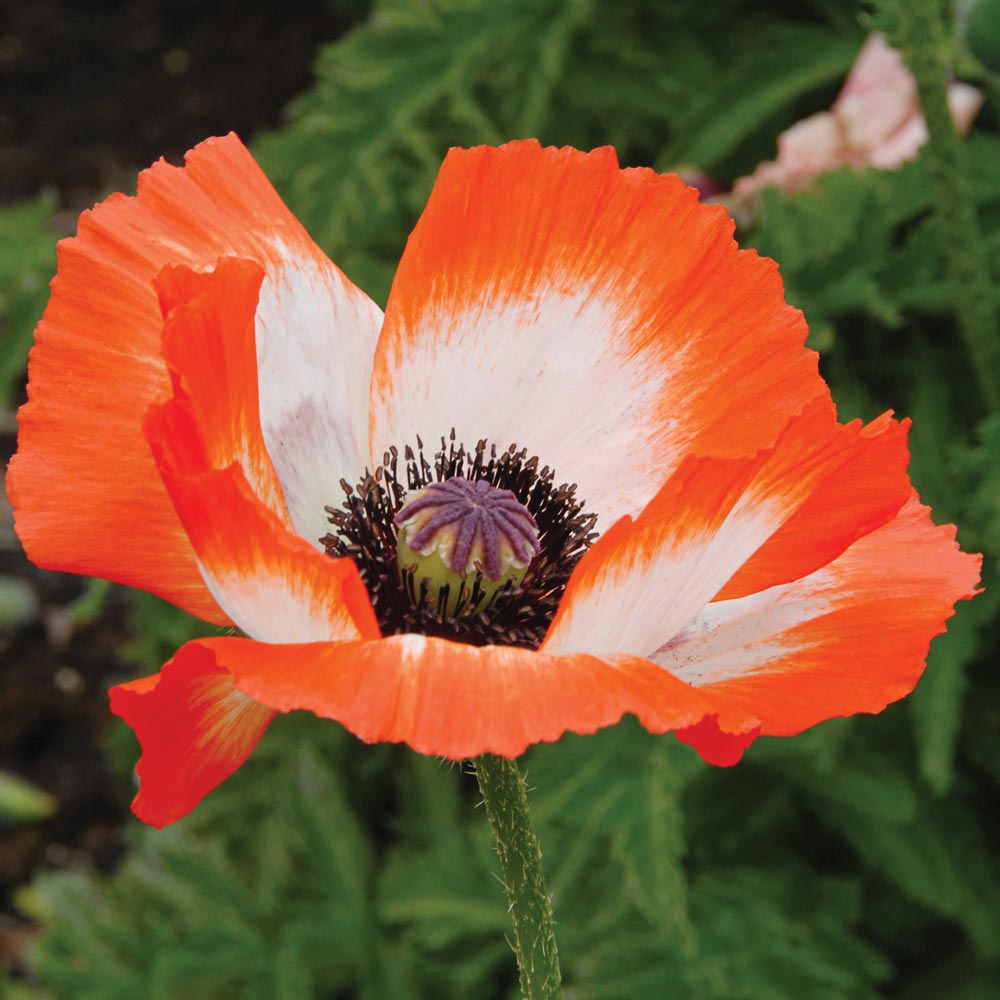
x=477, y=546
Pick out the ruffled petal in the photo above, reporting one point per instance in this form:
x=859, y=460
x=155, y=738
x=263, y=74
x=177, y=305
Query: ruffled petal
x=208, y=344
x=840, y=483
x=458, y=701
x=195, y=730
x=735, y=525
x=272, y=584
x=851, y=637
x=85, y=489
x=315, y=330
x=600, y=318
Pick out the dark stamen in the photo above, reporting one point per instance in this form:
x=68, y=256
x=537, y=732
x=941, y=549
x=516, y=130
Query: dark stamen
x=364, y=530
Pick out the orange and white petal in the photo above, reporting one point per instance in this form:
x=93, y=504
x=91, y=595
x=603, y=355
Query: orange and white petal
x=195, y=730
x=644, y=580
x=600, y=318
x=732, y=525
x=839, y=482
x=315, y=331
x=458, y=701
x=83, y=484
x=273, y=584
x=208, y=345
x=851, y=637
x=199, y=719
x=316, y=336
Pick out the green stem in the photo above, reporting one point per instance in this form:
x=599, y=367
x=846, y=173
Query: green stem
x=924, y=33
x=506, y=798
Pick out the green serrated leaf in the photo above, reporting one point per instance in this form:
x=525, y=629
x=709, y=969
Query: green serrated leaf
x=785, y=62
x=936, y=704
x=937, y=859
x=652, y=849
x=362, y=150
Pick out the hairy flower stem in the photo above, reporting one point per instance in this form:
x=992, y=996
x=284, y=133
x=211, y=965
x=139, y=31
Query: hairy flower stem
x=506, y=798
x=924, y=34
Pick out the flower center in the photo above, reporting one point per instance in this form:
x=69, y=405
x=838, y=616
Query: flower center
x=476, y=546
x=458, y=534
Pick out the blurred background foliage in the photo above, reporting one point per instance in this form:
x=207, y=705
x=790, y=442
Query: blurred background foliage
x=858, y=860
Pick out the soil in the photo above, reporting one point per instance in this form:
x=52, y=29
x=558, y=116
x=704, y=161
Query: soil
x=93, y=91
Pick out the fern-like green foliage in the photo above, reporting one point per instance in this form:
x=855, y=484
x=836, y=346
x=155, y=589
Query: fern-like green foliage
x=325, y=868
x=851, y=862
x=27, y=261
x=659, y=81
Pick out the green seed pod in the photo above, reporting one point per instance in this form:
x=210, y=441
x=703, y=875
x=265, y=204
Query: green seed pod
x=462, y=543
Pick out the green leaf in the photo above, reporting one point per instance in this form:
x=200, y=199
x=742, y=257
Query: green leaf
x=160, y=629
x=937, y=702
x=362, y=151
x=23, y=803
x=441, y=912
x=937, y=858
x=623, y=786
x=27, y=261
x=784, y=62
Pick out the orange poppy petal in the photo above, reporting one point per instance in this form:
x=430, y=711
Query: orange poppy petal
x=84, y=486
x=199, y=719
x=853, y=479
x=208, y=344
x=754, y=522
x=600, y=318
x=851, y=637
x=274, y=585
x=458, y=701
x=714, y=744
x=195, y=730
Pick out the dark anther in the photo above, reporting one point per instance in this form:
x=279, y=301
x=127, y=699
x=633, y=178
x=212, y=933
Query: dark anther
x=363, y=530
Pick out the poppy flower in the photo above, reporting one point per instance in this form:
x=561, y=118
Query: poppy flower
x=876, y=121
x=578, y=378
